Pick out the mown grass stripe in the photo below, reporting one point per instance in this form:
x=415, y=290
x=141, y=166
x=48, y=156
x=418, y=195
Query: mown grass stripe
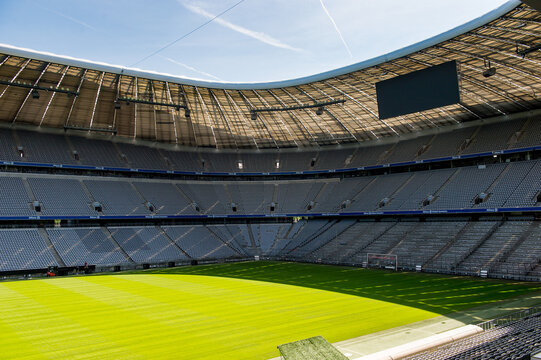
x=228, y=311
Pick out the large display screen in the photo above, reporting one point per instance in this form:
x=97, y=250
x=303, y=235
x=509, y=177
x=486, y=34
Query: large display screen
x=420, y=90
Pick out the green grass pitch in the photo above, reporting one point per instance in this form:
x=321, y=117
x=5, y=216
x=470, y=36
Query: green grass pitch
x=228, y=311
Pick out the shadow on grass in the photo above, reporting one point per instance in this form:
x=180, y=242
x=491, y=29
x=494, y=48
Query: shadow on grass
x=436, y=293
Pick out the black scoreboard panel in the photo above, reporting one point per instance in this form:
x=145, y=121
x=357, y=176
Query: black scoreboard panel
x=420, y=90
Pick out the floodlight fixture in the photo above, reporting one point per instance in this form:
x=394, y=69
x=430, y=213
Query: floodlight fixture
x=489, y=70
x=319, y=106
x=523, y=53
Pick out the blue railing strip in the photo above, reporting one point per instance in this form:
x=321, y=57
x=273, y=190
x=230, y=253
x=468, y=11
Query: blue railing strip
x=244, y=216
x=278, y=173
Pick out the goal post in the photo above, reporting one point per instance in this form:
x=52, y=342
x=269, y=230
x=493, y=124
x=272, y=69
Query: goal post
x=382, y=261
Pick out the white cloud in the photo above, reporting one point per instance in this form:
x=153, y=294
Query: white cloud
x=262, y=37
x=191, y=68
x=72, y=19
x=336, y=28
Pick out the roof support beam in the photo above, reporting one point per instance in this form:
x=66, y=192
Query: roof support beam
x=115, y=110
x=53, y=95
x=520, y=20
x=536, y=4
x=495, y=90
x=15, y=77
x=332, y=115
x=511, y=30
x=148, y=102
x=480, y=70
x=151, y=89
x=172, y=111
x=322, y=123
x=465, y=107
x=498, y=92
x=279, y=117
x=206, y=112
x=483, y=101
x=300, y=106
x=66, y=123
x=250, y=105
x=6, y=57
x=498, y=39
x=354, y=116
x=521, y=70
x=309, y=113
x=30, y=92
x=224, y=117
x=240, y=115
x=136, y=89
x=187, y=108
x=493, y=50
x=375, y=116
x=293, y=115
x=96, y=100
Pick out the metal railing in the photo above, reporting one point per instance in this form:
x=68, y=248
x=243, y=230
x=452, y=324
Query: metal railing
x=509, y=318
x=521, y=272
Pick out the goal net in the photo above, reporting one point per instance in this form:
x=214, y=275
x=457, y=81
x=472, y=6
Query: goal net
x=382, y=261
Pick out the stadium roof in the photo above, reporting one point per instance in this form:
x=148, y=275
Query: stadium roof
x=39, y=88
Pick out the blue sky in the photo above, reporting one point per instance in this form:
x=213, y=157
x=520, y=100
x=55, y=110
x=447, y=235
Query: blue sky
x=258, y=40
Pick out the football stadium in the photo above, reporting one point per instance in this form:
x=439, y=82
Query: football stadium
x=389, y=209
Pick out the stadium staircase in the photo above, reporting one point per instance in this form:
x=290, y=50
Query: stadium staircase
x=86, y=191
x=51, y=247
x=361, y=192
x=332, y=249
x=254, y=246
x=374, y=240
x=165, y=235
x=296, y=228
x=386, y=154
x=230, y=243
x=426, y=147
x=371, y=236
x=304, y=234
x=506, y=251
x=134, y=188
x=467, y=142
x=447, y=246
x=399, y=240
x=71, y=149
x=338, y=234
x=497, y=179
x=399, y=189
x=283, y=239
x=314, y=235
x=479, y=243
x=517, y=136
x=116, y=244
x=536, y=270
x=316, y=197
x=29, y=191
x=448, y=181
